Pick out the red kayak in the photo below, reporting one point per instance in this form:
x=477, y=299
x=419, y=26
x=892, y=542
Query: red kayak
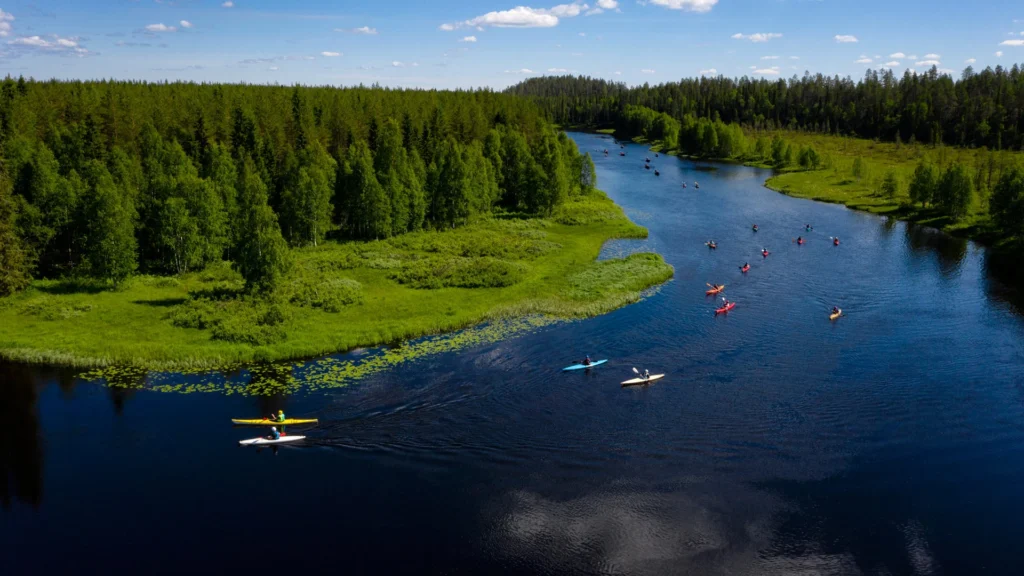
x=800, y=242
x=835, y=242
x=726, y=308
x=765, y=254
x=745, y=269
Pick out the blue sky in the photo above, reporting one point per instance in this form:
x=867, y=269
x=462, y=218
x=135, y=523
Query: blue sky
x=462, y=43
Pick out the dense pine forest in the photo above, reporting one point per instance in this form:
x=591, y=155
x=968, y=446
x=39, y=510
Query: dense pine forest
x=980, y=109
x=105, y=179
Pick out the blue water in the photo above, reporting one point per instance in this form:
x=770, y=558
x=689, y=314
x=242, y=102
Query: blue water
x=888, y=442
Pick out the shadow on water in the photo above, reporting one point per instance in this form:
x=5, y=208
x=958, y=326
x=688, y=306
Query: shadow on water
x=949, y=250
x=21, y=449
x=1005, y=276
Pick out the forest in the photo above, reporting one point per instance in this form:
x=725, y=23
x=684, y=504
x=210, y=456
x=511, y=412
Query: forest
x=983, y=108
x=981, y=116
x=102, y=180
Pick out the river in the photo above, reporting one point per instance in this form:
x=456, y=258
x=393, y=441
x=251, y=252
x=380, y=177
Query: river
x=888, y=442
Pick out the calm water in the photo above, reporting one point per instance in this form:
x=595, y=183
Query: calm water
x=889, y=442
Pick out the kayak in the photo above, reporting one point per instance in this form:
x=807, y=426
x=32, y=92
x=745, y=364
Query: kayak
x=800, y=242
x=835, y=243
x=712, y=246
x=714, y=291
x=765, y=254
x=268, y=422
x=268, y=441
x=836, y=315
x=745, y=269
x=726, y=308
x=583, y=366
x=643, y=380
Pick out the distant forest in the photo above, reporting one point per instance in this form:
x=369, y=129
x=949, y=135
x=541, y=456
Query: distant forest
x=979, y=109
x=103, y=179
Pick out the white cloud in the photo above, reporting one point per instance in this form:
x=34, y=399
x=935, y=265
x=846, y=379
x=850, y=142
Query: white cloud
x=999, y=53
x=618, y=73
x=846, y=38
x=160, y=28
x=1012, y=43
x=773, y=71
x=928, y=63
x=709, y=72
x=690, y=5
x=933, y=56
x=66, y=43
x=970, y=61
x=58, y=45
x=521, y=17
x=557, y=70
x=608, y=4
x=892, y=64
x=34, y=41
x=863, y=61
x=758, y=37
x=900, y=55
x=228, y=4
x=364, y=30
x=331, y=54
x=794, y=57
x=5, y=23
x=468, y=39
x=769, y=57
x=397, y=64
x=185, y=24
x=520, y=71
x=647, y=71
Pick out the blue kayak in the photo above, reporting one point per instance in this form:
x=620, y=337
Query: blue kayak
x=582, y=366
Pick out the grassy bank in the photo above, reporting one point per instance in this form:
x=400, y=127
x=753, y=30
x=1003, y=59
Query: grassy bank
x=340, y=296
x=835, y=180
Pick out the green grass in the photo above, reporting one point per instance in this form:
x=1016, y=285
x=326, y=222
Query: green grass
x=835, y=181
x=339, y=296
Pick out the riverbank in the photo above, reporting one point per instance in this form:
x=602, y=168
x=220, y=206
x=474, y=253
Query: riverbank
x=339, y=297
x=834, y=181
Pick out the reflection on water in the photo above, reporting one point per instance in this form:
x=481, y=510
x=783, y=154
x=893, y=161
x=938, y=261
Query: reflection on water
x=949, y=250
x=21, y=450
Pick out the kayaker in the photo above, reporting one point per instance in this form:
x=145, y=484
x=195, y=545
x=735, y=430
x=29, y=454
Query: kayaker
x=836, y=310
x=587, y=361
x=799, y=239
x=274, y=434
x=835, y=241
x=278, y=418
x=755, y=227
x=647, y=374
x=764, y=251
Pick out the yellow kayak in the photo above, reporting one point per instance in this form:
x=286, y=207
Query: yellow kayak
x=268, y=422
x=836, y=315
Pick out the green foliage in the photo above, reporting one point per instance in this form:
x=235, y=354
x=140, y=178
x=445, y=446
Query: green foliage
x=458, y=272
x=261, y=253
x=328, y=294
x=1007, y=203
x=955, y=192
x=110, y=217
x=588, y=174
x=890, y=186
x=923, y=184
x=860, y=169
x=15, y=264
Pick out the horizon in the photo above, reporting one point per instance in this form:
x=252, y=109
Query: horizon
x=456, y=44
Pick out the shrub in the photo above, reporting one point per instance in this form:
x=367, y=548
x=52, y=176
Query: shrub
x=457, y=272
x=330, y=295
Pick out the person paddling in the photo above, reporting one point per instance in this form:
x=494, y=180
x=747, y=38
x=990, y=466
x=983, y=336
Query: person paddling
x=274, y=434
x=799, y=239
x=587, y=361
x=278, y=418
x=836, y=311
x=835, y=241
x=755, y=227
x=764, y=252
x=647, y=374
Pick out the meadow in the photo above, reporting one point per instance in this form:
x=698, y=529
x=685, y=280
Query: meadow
x=339, y=296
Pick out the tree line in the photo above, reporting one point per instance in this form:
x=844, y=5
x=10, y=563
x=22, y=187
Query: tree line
x=983, y=108
x=105, y=179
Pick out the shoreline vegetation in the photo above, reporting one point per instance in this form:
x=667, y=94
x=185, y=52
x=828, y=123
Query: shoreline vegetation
x=930, y=148
x=340, y=297
x=870, y=176
x=196, y=226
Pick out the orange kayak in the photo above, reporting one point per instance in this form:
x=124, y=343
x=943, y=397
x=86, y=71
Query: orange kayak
x=726, y=308
x=714, y=291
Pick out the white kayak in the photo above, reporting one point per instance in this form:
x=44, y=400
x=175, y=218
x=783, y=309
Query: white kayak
x=268, y=441
x=643, y=380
